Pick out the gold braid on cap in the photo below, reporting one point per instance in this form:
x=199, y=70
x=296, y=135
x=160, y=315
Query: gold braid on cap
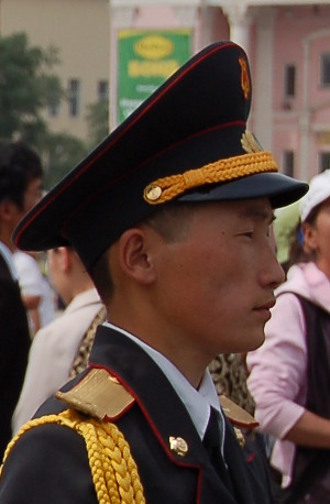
x=113, y=469
x=224, y=170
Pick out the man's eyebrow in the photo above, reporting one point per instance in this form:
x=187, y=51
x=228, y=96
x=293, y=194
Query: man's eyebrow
x=258, y=213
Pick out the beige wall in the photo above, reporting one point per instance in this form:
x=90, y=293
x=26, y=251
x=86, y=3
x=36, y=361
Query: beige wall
x=80, y=29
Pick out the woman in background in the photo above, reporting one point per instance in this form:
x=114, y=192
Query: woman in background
x=290, y=373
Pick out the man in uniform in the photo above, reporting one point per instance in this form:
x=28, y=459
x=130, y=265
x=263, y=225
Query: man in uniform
x=171, y=216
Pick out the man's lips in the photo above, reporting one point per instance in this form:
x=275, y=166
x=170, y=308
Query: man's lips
x=263, y=310
x=268, y=305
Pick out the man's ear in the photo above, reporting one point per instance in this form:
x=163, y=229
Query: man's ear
x=7, y=209
x=65, y=258
x=136, y=255
x=310, y=238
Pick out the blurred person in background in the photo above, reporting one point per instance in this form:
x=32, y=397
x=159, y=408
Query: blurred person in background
x=60, y=350
x=285, y=229
x=229, y=374
x=20, y=189
x=38, y=297
x=290, y=373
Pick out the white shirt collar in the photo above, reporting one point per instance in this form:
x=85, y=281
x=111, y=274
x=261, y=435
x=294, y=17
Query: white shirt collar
x=8, y=258
x=197, y=402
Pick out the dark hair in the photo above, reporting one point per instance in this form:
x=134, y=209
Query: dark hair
x=101, y=276
x=172, y=221
x=19, y=164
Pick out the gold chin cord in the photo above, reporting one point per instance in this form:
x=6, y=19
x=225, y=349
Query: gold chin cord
x=224, y=170
x=113, y=469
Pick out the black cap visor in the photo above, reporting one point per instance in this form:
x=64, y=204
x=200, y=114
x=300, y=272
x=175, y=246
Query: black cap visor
x=280, y=189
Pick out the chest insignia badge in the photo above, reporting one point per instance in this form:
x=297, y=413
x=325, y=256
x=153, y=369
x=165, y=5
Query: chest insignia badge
x=178, y=445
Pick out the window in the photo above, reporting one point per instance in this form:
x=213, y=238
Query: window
x=324, y=161
x=102, y=90
x=288, y=162
x=325, y=70
x=54, y=106
x=74, y=97
x=289, y=81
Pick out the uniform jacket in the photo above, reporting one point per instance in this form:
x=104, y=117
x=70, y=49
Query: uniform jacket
x=14, y=347
x=58, y=467
x=278, y=369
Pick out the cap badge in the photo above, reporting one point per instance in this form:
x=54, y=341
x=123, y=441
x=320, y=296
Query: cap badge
x=245, y=79
x=153, y=192
x=249, y=142
x=178, y=445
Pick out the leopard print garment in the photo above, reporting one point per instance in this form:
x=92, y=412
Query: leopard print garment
x=81, y=359
x=229, y=374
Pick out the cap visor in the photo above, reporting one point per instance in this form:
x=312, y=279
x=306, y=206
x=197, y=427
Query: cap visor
x=280, y=189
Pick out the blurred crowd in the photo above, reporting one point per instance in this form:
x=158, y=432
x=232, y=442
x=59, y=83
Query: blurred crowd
x=49, y=308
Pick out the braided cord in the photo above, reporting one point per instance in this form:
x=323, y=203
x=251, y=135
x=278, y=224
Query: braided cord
x=224, y=170
x=113, y=469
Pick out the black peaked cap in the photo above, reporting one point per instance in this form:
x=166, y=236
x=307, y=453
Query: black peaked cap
x=194, y=123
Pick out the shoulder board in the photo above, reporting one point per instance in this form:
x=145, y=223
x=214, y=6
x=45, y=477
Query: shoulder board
x=99, y=395
x=237, y=415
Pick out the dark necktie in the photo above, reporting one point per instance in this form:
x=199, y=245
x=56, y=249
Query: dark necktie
x=212, y=443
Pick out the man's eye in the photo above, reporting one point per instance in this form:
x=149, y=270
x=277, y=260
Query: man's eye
x=249, y=234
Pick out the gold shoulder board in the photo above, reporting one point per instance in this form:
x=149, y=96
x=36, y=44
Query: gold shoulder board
x=98, y=394
x=237, y=415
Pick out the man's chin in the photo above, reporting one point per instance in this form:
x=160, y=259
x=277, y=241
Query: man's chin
x=257, y=342
x=254, y=342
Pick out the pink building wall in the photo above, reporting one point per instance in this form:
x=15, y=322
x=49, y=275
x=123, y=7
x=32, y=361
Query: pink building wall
x=302, y=35
x=298, y=125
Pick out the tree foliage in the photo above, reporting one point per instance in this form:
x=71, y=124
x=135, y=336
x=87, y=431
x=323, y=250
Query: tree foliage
x=98, y=121
x=27, y=86
x=60, y=154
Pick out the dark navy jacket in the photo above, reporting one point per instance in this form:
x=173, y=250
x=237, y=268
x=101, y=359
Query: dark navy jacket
x=14, y=348
x=50, y=464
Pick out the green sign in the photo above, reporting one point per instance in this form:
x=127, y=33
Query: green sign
x=145, y=60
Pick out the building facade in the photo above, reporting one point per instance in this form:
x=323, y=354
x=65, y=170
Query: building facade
x=288, y=43
x=79, y=29
x=289, y=48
